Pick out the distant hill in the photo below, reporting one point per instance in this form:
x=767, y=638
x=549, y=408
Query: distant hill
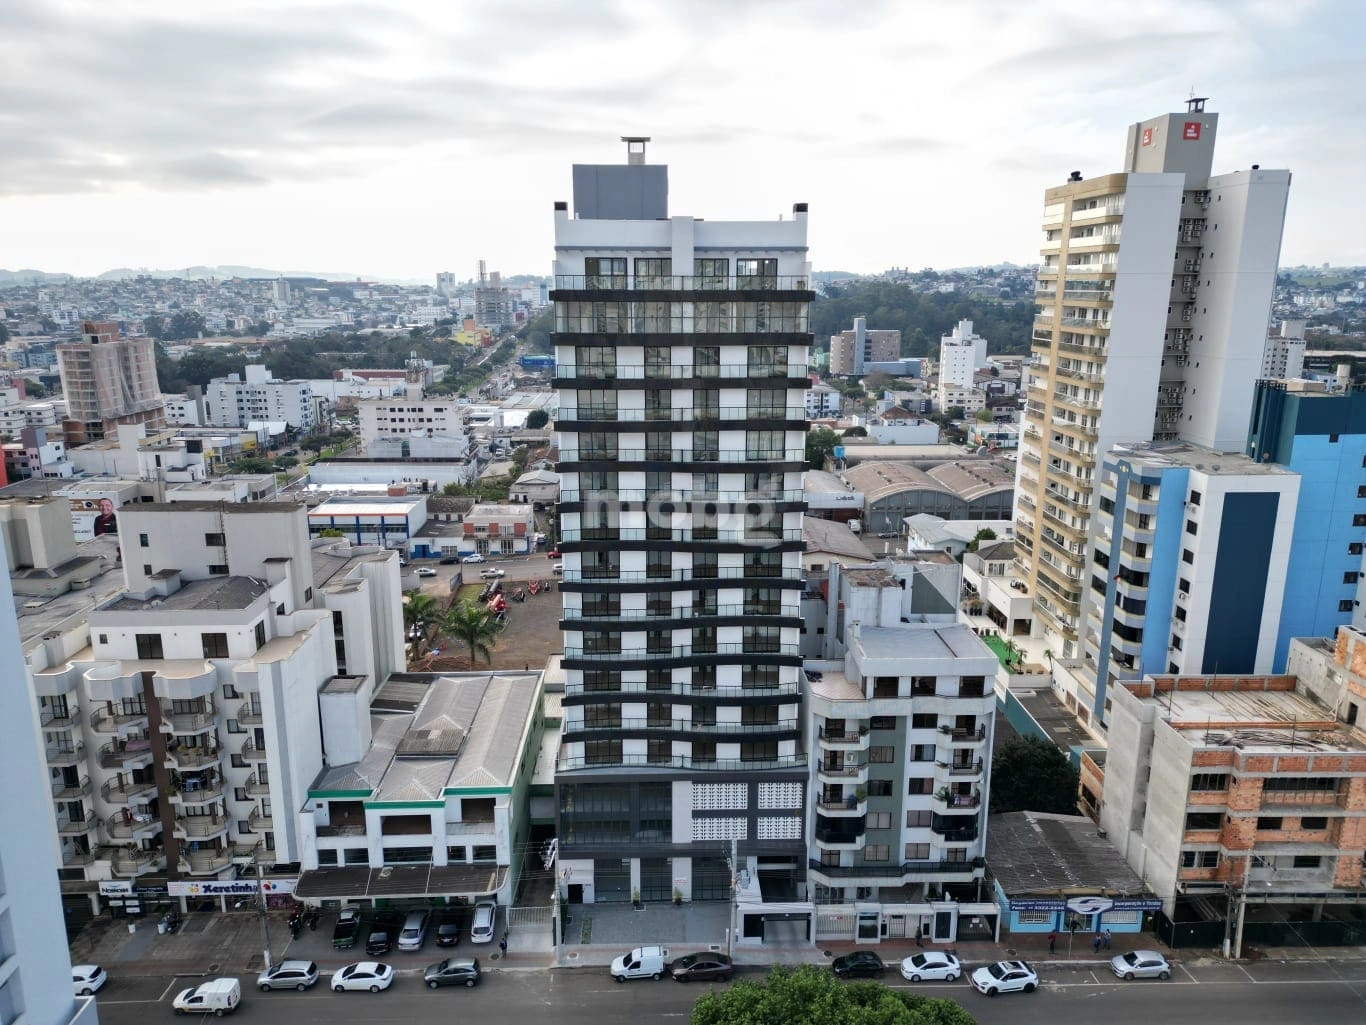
x=29, y=277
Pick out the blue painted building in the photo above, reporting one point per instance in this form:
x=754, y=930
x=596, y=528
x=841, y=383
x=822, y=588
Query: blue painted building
x=1322, y=437
x=1191, y=558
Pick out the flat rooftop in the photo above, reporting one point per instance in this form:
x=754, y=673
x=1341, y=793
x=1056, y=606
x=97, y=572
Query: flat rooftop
x=1178, y=453
x=923, y=641
x=216, y=594
x=1255, y=719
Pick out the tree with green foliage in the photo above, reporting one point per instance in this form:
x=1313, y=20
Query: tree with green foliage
x=856, y=432
x=34, y=390
x=537, y=419
x=253, y=464
x=286, y=462
x=153, y=325
x=811, y=996
x=185, y=324
x=820, y=445
x=331, y=532
x=474, y=627
x=985, y=415
x=985, y=534
x=1029, y=774
x=421, y=616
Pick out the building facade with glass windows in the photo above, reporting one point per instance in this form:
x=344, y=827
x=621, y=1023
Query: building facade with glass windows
x=681, y=348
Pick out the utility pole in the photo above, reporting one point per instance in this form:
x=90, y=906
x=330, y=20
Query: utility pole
x=261, y=911
x=734, y=896
x=1242, y=909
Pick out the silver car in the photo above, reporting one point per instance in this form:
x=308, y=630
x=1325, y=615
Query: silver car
x=288, y=975
x=1141, y=964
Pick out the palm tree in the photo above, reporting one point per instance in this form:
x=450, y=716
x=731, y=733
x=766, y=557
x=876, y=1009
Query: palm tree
x=421, y=615
x=472, y=626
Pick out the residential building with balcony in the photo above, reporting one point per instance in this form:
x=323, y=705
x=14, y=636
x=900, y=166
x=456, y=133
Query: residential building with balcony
x=426, y=796
x=35, y=985
x=681, y=350
x=1157, y=279
x=256, y=397
x=961, y=352
x=900, y=729
x=180, y=714
x=1225, y=790
x=1189, y=571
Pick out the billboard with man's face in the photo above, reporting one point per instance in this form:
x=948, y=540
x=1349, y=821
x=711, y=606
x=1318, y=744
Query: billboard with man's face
x=94, y=516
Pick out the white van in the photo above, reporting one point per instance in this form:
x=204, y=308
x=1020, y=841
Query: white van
x=217, y=996
x=641, y=963
x=481, y=930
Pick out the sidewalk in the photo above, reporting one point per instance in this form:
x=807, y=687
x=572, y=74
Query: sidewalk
x=232, y=943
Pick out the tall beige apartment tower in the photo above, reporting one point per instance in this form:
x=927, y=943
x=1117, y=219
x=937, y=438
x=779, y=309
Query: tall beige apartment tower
x=108, y=380
x=1153, y=300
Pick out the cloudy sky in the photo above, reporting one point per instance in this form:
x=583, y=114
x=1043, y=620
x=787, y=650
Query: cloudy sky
x=396, y=138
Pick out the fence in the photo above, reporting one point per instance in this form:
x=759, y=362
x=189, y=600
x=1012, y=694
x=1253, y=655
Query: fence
x=538, y=917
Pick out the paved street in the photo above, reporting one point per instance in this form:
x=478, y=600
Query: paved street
x=1326, y=993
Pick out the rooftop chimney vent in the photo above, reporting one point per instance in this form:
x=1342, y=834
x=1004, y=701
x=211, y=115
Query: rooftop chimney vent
x=635, y=148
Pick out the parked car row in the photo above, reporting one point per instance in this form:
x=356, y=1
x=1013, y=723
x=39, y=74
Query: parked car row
x=387, y=930
x=991, y=979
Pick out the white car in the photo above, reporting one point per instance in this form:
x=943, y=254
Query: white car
x=87, y=979
x=371, y=975
x=1005, y=977
x=493, y=574
x=931, y=964
x=426, y=571
x=476, y=557
x=1141, y=964
x=557, y=569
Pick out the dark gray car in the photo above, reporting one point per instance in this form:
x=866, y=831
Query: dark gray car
x=454, y=971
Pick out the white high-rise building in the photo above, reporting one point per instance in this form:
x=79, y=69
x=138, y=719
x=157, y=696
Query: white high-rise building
x=1153, y=298
x=35, y=983
x=961, y=352
x=279, y=291
x=234, y=402
x=1283, y=358
x=445, y=283
x=681, y=350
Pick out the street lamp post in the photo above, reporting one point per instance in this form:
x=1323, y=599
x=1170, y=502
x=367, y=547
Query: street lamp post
x=261, y=911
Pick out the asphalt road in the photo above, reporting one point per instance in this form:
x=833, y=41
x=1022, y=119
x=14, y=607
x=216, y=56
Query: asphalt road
x=1317, y=992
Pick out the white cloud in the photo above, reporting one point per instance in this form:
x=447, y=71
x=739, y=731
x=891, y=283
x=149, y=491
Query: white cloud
x=399, y=138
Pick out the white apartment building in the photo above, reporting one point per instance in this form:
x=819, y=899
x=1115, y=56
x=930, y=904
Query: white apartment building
x=821, y=401
x=180, y=718
x=681, y=348
x=185, y=410
x=1283, y=358
x=961, y=352
x=1157, y=279
x=260, y=398
x=900, y=728
x=968, y=398
x=35, y=986
x=399, y=417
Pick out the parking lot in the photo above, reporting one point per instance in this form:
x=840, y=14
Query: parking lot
x=532, y=632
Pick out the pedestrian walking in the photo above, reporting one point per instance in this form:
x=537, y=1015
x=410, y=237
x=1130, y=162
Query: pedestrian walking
x=503, y=945
x=1107, y=939
x=1052, y=942
x=1095, y=943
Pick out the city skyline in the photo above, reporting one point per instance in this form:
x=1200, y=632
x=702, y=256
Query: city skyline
x=371, y=143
